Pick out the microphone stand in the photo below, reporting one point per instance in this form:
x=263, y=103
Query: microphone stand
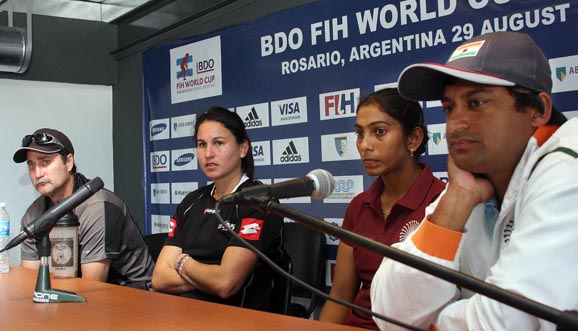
x=40, y=228
x=565, y=320
x=43, y=293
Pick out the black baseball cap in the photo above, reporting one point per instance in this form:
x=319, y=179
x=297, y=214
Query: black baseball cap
x=44, y=141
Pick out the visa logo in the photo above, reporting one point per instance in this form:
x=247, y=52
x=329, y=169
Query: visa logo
x=289, y=108
x=258, y=151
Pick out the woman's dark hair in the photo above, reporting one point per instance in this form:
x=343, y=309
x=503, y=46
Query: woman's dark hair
x=233, y=123
x=408, y=113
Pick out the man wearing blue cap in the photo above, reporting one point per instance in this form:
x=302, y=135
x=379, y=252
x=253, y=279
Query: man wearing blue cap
x=508, y=214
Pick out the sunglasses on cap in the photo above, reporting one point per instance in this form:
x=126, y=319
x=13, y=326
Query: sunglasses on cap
x=42, y=139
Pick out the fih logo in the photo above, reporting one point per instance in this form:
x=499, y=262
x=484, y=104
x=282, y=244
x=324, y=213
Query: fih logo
x=340, y=145
x=252, y=119
x=338, y=104
x=184, y=159
x=290, y=154
x=561, y=73
x=183, y=63
x=158, y=129
x=342, y=185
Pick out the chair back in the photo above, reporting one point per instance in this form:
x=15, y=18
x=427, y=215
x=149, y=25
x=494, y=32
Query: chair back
x=280, y=299
x=155, y=243
x=306, y=247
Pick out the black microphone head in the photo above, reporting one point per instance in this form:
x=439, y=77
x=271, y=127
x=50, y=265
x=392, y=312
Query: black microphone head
x=232, y=198
x=324, y=183
x=95, y=184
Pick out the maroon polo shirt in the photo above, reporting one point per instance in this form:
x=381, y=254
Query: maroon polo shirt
x=365, y=217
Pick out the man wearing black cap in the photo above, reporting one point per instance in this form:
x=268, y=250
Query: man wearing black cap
x=110, y=244
x=508, y=214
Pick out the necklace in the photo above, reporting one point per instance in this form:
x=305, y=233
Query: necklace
x=385, y=212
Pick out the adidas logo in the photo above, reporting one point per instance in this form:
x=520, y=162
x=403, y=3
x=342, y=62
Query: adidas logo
x=290, y=154
x=253, y=120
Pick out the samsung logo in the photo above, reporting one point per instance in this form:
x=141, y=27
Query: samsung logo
x=184, y=159
x=159, y=128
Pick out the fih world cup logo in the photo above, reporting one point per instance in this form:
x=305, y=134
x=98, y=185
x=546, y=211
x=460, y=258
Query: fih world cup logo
x=183, y=63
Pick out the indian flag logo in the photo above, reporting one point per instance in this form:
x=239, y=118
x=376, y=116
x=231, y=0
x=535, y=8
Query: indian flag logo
x=467, y=50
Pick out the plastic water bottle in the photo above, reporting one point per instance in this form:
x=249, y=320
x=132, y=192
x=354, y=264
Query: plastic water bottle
x=4, y=238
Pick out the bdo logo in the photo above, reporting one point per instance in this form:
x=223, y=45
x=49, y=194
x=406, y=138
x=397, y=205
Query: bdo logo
x=205, y=66
x=160, y=161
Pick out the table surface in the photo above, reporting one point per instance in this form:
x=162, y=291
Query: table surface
x=113, y=307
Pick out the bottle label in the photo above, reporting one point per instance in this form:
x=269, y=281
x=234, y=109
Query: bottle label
x=4, y=228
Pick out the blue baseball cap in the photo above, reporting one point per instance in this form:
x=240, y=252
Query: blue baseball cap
x=500, y=58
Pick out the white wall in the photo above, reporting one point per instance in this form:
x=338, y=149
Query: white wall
x=82, y=112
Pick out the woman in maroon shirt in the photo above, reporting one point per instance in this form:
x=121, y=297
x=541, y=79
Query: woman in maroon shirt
x=391, y=135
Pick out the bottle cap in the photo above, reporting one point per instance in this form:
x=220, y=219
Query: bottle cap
x=69, y=219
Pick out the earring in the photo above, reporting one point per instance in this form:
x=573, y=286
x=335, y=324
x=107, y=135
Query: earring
x=410, y=152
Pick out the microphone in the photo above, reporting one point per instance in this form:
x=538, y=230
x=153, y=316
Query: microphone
x=44, y=223
x=317, y=183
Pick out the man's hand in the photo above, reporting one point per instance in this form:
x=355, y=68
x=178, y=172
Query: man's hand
x=464, y=191
x=471, y=187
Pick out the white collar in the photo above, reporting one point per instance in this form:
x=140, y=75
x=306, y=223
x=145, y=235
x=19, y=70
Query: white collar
x=244, y=178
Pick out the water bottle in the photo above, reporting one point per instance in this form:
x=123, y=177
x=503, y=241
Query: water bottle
x=4, y=238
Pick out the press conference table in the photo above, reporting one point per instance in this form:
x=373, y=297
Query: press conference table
x=112, y=307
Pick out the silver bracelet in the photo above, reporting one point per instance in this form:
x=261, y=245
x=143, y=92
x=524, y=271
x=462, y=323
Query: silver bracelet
x=181, y=264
